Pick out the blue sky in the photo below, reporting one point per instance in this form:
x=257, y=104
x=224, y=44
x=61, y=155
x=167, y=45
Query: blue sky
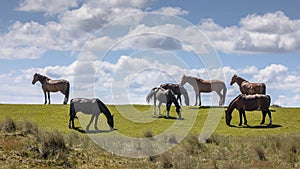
x=258, y=40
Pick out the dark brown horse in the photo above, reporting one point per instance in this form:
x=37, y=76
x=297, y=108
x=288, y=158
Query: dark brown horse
x=205, y=86
x=249, y=103
x=49, y=85
x=177, y=90
x=247, y=87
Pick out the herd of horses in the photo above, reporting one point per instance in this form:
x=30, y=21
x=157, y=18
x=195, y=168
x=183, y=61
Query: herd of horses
x=253, y=97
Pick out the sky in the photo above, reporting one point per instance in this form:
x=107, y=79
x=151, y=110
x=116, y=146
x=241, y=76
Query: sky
x=118, y=50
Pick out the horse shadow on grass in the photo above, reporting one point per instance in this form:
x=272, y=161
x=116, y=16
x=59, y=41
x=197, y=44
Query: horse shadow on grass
x=165, y=117
x=80, y=130
x=273, y=126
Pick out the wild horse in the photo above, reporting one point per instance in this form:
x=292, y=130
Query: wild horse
x=249, y=103
x=90, y=106
x=164, y=96
x=247, y=87
x=206, y=86
x=177, y=90
x=49, y=85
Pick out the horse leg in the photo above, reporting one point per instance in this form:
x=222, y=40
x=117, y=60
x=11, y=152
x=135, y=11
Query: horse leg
x=220, y=96
x=45, y=94
x=179, y=98
x=197, y=96
x=154, y=108
x=241, y=117
x=270, y=117
x=264, y=113
x=49, y=97
x=199, y=99
x=159, y=112
x=96, y=122
x=168, y=109
x=245, y=119
x=92, y=119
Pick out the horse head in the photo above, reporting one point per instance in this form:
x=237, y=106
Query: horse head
x=35, y=78
x=110, y=122
x=183, y=80
x=233, y=79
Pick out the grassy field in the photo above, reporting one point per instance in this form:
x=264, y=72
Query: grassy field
x=40, y=138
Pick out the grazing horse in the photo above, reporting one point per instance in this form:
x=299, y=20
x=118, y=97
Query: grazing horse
x=249, y=103
x=247, y=87
x=177, y=90
x=49, y=85
x=164, y=96
x=90, y=106
x=206, y=86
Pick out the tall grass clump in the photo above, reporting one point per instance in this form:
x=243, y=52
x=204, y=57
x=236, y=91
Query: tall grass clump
x=8, y=126
x=51, y=144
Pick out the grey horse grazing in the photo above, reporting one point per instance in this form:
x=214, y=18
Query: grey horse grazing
x=164, y=96
x=90, y=106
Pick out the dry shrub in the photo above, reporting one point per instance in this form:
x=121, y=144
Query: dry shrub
x=165, y=160
x=51, y=144
x=8, y=125
x=29, y=127
x=148, y=134
x=260, y=153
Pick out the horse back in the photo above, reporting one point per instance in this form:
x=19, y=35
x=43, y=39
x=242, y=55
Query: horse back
x=86, y=106
x=253, y=102
x=210, y=85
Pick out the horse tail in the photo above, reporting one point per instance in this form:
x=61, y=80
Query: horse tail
x=72, y=114
x=224, y=93
x=67, y=93
x=263, y=89
x=151, y=94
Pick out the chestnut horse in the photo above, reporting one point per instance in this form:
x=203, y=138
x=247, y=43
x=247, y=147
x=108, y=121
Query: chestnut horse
x=249, y=103
x=247, y=87
x=177, y=90
x=49, y=85
x=205, y=86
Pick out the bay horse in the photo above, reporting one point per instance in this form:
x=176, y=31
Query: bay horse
x=164, y=96
x=90, y=106
x=249, y=103
x=177, y=90
x=49, y=85
x=200, y=85
x=247, y=87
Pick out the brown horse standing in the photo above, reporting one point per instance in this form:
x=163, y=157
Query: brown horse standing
x=177, y=90
x=249, y=103
x=247, y=87
x=49, y=85
x=205, y=86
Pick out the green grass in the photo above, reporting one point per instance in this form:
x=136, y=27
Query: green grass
x=137, y=119
x=42, y=139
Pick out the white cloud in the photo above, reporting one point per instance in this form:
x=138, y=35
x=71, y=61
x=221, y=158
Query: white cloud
x=172, y=11
x=288, y=100
x=268, y=33
x=47, y=6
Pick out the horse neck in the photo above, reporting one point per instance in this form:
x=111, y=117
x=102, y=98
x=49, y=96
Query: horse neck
x=104, y=109
x=42, y=79
x=239, y=80
x=193, y=81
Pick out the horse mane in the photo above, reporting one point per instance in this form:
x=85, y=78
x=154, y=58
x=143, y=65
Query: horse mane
x=234, y=100
x=241, y=78
x=103, y=108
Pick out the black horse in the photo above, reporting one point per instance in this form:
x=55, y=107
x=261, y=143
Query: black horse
x=178, y=90
x=249, y=103
x=164, y=96
x=90, y=106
